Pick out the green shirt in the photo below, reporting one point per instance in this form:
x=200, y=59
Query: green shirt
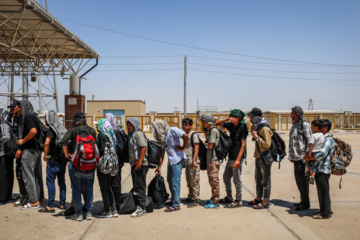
x=213, y=137
x=141, y=142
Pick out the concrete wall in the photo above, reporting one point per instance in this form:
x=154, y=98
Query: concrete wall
x=131, y=107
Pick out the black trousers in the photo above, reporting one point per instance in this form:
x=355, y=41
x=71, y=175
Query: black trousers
x=139, y=184
x=6, y=178
x=323, y=190
x=110, y=187
x=18, y=171
x=262, y=179
x=302, y=182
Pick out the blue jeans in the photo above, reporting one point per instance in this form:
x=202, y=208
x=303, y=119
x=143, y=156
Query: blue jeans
x=174, y=180
x=79, y=180
x=54, y=170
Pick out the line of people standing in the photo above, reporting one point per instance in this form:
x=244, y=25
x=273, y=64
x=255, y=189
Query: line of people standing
x=182, y=148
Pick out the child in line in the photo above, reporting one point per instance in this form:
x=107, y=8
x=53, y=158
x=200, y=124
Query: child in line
x=315, y=144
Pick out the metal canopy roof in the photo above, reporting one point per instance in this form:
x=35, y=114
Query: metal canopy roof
x=32, y=39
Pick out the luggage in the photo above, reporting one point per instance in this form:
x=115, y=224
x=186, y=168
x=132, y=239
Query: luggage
x=109, y=163
x=224, y=145
x=342, y=157
x=157, y=191
x=127, y=203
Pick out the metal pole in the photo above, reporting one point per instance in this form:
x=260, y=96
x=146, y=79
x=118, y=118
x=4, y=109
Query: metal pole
x=185, y=68
x=12, y=87
x=25, y=85
x=40, y=94
x=56, y=96
x=46, y=3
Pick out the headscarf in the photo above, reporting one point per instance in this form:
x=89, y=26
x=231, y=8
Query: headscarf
x=54, y=123
x=135, y=122
x=299, y=111
x=159, y=129
x=257, y=120
x=105, y=128
x=79, y=119
x=27, y=109
x=112, y=120
x=238, y=113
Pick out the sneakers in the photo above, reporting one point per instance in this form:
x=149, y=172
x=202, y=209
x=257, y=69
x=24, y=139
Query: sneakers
x=138, y=212
x=212, y=205
x=89, y=216
x=234, y=204
x=114, y=213
x=104, y=214
x=193, y=204
x=187, y=200
x=77, y=217
x=226, y=199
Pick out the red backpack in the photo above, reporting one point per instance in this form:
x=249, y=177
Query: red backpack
x=86, y=153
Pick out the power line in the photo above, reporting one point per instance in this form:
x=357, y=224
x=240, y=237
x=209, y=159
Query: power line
x=339, y=104
x=135, y=64
x=170, y=56
x=288, y=78
x=139, y=70
x=266, y=70
x=205, y=49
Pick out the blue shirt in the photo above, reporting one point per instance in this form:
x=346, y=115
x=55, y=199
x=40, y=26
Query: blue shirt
x=325, y=154
x=173, y=138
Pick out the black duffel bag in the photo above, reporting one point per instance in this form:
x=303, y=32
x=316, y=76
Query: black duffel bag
x=157, y=191
x=127, y=204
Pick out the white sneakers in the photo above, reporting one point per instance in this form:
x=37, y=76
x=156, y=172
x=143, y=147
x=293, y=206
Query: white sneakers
x=138, y=212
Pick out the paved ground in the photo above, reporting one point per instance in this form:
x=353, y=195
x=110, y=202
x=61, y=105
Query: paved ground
x=280, y=221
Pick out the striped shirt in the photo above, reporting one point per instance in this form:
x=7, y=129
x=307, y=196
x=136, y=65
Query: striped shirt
x=325, y=154
x=4, y=137
x=299, y=143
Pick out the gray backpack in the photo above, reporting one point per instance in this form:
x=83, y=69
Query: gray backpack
x=109, y=163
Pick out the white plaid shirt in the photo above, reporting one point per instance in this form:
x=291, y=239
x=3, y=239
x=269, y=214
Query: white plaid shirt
x=325, y=154
x=299, y=143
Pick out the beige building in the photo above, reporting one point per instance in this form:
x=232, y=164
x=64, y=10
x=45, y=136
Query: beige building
x=120, y=108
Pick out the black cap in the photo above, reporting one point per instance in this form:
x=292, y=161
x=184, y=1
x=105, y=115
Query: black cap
x=14, y=103
x=255, y=112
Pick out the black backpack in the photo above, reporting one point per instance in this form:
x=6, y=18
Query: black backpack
x=154, y=151
x=224, y=146
x=11, y=146
x=157, y=191
x=122, y=147
x=41, y=135
x=202, y=151
x=277, y=148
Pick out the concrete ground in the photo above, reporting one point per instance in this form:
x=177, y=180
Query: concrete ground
x=280, y=221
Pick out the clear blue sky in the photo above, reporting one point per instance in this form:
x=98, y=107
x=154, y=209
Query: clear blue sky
x=324, y=31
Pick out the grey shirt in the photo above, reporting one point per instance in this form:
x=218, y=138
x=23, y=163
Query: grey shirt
x=213, y=137
x=299, y=143
x=189, y=150
x=141, y=141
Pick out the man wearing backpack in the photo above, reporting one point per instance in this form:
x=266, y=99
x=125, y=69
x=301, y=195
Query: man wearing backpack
x=322, y=176
x=170, y=139
x=192, y=164
x=56, y=167
x=31, y=154
x=212, y=137
x=299, y=139
x=81, y=178
x=238, y=134
x=262, y=134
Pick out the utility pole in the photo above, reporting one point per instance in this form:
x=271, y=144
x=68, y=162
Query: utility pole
x=311, y=106
x=185, y=73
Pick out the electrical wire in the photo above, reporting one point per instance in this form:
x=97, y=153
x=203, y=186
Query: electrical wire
x=205, y=49
x=139, y=70
x=135, y=64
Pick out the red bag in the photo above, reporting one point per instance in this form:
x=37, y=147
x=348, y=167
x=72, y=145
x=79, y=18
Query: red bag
x=86, y=153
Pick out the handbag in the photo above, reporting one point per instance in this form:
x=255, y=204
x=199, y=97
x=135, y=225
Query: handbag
x=127, y=203
x=265, y=156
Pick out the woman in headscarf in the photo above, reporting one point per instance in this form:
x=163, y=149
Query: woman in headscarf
x=56, y=167
x=6, y=162
x=138, y=162
x=170, y=138
x=110, y=186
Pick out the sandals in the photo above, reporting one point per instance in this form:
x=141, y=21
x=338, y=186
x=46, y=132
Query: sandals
x=60, y=206
x=172, y=209
x=234, y=204
x=28, y=206
x=254, y=202
x=261, y=205
x=46, y=210
x=320, y=216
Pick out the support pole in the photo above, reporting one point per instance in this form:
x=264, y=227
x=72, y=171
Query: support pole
x=25, y=84
x=55, y=93
x=40, y=94
x=12, y=88
x=185, y=73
